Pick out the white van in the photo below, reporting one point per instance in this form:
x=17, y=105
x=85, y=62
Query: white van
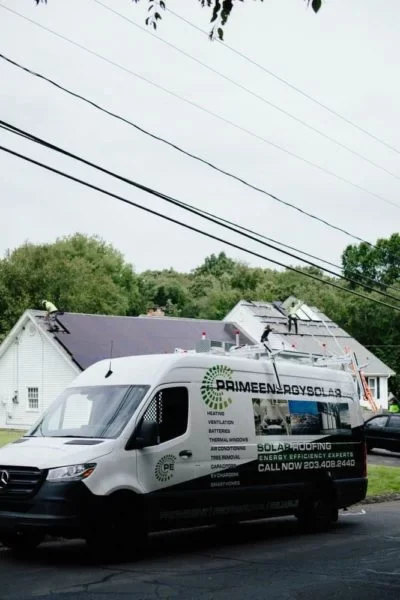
x=167, y=441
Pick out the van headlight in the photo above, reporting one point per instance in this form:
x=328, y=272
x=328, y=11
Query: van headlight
x=71, y=473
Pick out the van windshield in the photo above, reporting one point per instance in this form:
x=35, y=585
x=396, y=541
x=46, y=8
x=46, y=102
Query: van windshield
x=90, y=412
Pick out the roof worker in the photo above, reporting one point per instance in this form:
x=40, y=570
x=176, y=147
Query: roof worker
x=394, y=405
x=266, y=333
x=292, y=316
x=50, y=308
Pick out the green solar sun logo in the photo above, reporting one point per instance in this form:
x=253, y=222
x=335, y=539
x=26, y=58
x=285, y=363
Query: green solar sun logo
x=165, y=468
x=213, y=397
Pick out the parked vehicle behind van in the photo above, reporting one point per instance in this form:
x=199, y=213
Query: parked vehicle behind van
x=169, y=441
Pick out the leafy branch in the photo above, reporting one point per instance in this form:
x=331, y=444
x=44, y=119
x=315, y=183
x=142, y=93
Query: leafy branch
x=221, y=11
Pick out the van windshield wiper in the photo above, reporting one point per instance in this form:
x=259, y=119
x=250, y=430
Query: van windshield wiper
x=87, y=437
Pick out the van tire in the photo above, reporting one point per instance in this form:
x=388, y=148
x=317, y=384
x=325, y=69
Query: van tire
x=119, y=532
x=21, y=542
x=318, y=514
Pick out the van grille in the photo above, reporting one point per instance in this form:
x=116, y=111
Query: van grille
x=19, y=482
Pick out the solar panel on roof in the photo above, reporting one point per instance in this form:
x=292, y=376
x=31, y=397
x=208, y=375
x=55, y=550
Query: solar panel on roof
x=90, y=336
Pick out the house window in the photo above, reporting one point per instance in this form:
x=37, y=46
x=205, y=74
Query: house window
x=33, y=398
x=373, y=384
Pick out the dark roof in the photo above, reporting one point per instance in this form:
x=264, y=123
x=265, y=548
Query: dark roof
x=87, y=338
x=317, y=333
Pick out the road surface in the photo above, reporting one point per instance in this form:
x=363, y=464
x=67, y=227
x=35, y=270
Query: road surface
x=358, y=559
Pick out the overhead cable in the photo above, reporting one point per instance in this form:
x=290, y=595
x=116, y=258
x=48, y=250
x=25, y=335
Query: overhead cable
x=208, y=216
x=263, y=99
x=183, y=151
x=287, y=83
x=191, y=227
x=208, y=111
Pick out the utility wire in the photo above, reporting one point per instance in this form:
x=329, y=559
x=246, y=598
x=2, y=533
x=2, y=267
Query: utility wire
x=169, y=199
x=188, y=207
x=174, y=146
x=207, y=111
x=207, y=163
x=149, y=32
x=191, y=227
x=286, y=82
x=180, y=149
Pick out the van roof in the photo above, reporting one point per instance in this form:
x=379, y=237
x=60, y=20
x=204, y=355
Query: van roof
x=149, y=369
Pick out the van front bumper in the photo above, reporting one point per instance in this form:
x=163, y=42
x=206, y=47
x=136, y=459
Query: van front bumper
x=56, y=509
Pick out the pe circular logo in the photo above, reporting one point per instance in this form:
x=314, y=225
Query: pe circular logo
x=165, y=468
x=212, y=396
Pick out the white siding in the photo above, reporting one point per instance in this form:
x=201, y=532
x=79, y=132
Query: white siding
x=31, y=361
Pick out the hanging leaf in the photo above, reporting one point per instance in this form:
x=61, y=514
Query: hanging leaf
x=217, y=8
x=162, y=4
x=157, y=16
x=220, y=32
x=316, y=5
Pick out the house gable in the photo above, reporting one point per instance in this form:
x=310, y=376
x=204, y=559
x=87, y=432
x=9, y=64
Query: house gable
x=33, y=371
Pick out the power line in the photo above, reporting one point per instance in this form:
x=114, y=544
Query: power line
x=149, y=32
x=188, y=207
x=207, y=163
x=205, y=110
x=173, y=201
x=174, y=146
x=287, y=83
x=180, y=149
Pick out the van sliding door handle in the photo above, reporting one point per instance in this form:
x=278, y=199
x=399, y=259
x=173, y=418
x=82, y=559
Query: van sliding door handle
x=185, y=453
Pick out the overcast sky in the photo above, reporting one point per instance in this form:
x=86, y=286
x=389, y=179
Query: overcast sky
x=346, y=57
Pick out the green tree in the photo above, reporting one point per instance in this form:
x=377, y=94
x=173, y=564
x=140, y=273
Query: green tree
x=380, y=262
x=220, y=12
x=215, y=265
x=77, y=273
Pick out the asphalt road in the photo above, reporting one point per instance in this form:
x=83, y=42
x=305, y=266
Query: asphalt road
x=383, y=457
x=358, y=559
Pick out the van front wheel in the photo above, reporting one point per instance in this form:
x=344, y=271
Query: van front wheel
x=119, y=533
x=21, y=542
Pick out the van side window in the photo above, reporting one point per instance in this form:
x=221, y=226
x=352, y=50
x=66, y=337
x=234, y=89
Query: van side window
x=169, y=409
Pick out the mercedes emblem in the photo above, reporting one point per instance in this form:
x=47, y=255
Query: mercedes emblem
x=4, y=479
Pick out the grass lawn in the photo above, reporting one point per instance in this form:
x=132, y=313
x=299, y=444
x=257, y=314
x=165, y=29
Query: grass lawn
x=9, y=435
x=382, y=480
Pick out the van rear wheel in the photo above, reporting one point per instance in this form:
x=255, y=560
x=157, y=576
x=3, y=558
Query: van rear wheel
x=318, y=514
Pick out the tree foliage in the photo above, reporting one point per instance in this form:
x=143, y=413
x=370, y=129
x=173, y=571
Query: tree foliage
x=220, y=12
x=380, y=262
x=84, y=274
x=77, y=273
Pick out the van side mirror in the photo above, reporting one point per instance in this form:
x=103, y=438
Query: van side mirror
x=146, y=435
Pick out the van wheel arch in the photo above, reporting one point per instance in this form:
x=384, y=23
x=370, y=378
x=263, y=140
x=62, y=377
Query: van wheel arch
x=318, y=508
x=120, y=526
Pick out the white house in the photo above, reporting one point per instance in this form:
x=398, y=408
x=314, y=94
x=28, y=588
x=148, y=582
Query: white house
x=34, y=368
x=38, y=360
x=317, y=334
